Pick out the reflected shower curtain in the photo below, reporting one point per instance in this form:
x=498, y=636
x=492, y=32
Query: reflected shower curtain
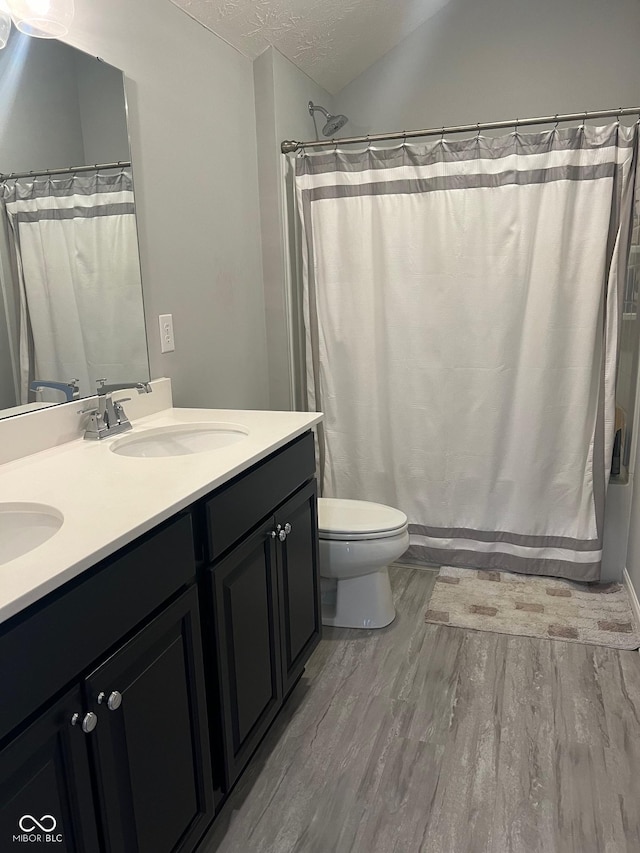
x=461, y=306
x=79, y=277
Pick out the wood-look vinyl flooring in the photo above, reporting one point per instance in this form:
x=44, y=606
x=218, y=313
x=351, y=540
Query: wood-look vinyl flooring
x=427, y=738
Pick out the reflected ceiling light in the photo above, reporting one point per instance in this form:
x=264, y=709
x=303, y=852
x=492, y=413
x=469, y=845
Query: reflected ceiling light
x=45, y=19
x=5, y=23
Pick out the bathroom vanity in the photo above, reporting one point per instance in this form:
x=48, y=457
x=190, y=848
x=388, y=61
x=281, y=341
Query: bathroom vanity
x=135, y=691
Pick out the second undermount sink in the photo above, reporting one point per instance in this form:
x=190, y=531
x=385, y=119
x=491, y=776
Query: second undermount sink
x=180, y=440
x=24, y=526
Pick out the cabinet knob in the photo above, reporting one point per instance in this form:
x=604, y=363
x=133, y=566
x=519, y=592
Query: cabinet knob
x=282, y=535
x=287, y=528
x=89, y=722
x=113, y=702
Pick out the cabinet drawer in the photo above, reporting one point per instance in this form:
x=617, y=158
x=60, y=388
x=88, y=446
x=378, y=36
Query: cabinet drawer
x=54, y=641
x=245, y=501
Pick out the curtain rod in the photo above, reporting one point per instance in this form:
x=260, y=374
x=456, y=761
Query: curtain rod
x=99, y=166
x=289, y=146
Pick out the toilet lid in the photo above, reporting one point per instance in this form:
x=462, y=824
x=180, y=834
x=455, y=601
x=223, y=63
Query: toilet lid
x=339, y=518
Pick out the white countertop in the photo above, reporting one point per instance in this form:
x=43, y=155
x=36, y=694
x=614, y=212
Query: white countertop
x=109, y=500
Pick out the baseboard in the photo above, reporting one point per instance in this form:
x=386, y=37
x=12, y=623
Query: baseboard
x=633, y=597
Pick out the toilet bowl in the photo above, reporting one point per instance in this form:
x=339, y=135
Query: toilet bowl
x=358, y=540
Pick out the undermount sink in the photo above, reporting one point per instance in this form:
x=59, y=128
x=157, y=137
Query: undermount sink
x=180, y=440
x=25, y=526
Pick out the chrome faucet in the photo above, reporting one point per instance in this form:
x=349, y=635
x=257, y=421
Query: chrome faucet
x=109, y=417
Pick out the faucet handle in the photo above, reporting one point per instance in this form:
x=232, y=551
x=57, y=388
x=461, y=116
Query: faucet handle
x=92, y=411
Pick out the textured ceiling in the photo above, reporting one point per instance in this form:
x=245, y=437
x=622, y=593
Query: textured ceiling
x=333, y=41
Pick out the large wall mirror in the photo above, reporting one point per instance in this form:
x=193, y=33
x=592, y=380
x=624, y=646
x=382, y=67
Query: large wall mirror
x=71, y=309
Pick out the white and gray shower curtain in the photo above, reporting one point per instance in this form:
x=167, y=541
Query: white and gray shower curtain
x=76, y=250
x=461, y=306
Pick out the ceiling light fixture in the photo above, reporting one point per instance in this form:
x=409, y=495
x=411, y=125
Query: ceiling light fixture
x=46, y=19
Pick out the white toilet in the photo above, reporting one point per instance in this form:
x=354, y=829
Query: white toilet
x=358, y=540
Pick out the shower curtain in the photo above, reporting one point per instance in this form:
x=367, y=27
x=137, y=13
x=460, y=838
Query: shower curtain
x=462, y=303
x=81, y=313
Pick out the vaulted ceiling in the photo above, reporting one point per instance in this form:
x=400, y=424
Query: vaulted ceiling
x=333, y=41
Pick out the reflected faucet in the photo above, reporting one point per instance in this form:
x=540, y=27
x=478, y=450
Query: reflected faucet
x=109, y=417
x=71, y=390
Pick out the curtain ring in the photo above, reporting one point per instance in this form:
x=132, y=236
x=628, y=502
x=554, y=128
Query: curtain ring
x=515, y=127
x=442, y=135
x=368, y=144
x=404, y=138
x=585, y=118
x=557, y=121
x=478, y=133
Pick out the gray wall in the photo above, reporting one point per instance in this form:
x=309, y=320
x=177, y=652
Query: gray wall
x=193, y=144
x=103, y=119
x=503, y=59
x=282, y=94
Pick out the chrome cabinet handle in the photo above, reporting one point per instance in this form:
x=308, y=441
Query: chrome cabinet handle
x=89, y=721
x=284, y=532
x=277, y=533
x=281, y=532
x=113, y=702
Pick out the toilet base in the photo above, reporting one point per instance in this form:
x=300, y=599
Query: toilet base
x=361, y=602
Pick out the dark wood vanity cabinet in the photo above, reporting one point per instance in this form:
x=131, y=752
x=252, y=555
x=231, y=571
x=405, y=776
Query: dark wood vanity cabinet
x=247, y=633
x=265, y=595
x=149, y=749
x=299, y=584
x=45, y=776
x=121, y=762
x=133, y=696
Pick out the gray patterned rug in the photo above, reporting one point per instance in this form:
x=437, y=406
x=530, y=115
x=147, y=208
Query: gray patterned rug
x=506, y=603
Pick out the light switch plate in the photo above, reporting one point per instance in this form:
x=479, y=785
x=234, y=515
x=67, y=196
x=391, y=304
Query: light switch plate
x=167, y=342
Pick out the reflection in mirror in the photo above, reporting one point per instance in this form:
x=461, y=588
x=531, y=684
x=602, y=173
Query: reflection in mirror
x=70, y=291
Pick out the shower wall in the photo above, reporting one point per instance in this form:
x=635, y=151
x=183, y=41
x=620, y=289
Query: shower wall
x=500, y=59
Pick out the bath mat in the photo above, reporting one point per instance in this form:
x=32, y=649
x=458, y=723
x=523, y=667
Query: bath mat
x=506, y=603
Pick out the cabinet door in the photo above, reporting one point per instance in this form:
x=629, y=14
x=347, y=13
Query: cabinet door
x=152, y=749
x=45, y=786
x=300, y=618
x=248, y=641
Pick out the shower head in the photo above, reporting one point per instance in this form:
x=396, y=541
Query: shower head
x=333, y=123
